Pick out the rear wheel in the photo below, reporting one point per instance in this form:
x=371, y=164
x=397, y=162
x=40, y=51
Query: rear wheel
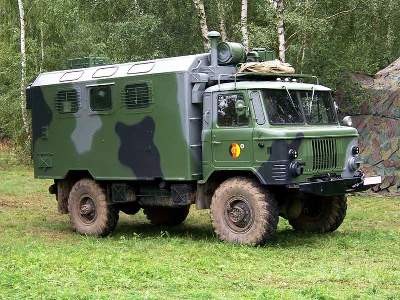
x=89, y=212
x=243, y=212
x=168, y=216
x=321, y=214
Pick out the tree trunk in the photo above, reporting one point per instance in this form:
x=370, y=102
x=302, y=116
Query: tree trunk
x=41, y=48
x=221, y=16
x=304, y=37
x=281, y=31
x=203, y=22
x=243, y=25
x=279, y=7
x=23, y=67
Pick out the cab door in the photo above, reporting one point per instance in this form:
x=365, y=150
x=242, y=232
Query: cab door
x=232, y=130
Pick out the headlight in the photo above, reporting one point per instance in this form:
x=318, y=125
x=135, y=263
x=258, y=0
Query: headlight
x=355, y=150
x=293, y=154
x=354, y=163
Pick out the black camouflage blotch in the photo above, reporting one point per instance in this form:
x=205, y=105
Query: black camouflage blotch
x=137, y=150
x=41, y=114
x=279, y=155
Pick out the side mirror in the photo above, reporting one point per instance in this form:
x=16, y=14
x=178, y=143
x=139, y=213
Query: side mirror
x=241, y=108
x=347, y=121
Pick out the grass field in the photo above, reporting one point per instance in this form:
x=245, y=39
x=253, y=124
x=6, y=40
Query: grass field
x=40, y=256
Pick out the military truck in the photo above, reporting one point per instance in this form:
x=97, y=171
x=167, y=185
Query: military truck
x=164, y=134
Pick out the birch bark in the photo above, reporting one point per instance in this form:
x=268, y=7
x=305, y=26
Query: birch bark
x=41, y=48
x=221, y=17
x=281, y=31
x=23, y=67
x=199, y=4
x=279, y=8
x=243, y=25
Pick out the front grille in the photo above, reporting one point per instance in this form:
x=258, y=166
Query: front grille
x=325, y=155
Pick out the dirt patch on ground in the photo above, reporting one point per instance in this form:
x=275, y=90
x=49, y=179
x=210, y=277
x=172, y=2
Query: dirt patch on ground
x=33, y=201
x=10, y=203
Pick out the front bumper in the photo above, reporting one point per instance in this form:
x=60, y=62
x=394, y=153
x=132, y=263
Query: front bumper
x=339, y=186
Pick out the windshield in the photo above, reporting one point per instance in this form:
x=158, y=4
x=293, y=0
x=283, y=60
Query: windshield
x=318, y=108
x=299, y=107
x=282, y=107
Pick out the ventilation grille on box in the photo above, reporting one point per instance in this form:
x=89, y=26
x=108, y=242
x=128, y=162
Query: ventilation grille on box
x=136, y=96
x=67, y=101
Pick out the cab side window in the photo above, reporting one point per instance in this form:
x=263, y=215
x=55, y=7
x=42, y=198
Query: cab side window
x=257, y=107
x=228, y=115
x=100, y=98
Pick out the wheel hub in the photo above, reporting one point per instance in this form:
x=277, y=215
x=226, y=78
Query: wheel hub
x=87, y=210
x=239, y=214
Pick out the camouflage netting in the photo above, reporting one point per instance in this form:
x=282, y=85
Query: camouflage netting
x=379, y=126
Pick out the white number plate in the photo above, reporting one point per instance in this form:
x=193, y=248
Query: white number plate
x=372, y=180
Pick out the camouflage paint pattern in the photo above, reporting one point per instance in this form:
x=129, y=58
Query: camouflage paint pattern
x=171, y=139
x=119, y=144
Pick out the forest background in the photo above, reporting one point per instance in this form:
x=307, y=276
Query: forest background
x=330, y=39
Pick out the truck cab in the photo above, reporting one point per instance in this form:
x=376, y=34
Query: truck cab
x=284, y=132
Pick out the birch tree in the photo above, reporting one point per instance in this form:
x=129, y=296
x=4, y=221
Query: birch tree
x=221, y=16
x=243, y=25
x=279, y=8
x=23, y=66
x=201, y=13
x=41, y=48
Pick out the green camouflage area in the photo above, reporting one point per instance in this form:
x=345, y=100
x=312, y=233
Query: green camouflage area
x=379, y=127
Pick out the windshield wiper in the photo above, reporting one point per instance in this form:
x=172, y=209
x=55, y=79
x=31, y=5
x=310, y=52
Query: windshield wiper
x=290, y=96
x=312, y=94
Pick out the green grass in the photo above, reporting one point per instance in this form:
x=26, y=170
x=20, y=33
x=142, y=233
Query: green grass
x=40, y=256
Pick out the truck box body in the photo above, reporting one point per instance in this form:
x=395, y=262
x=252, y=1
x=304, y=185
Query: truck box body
x=118, y=137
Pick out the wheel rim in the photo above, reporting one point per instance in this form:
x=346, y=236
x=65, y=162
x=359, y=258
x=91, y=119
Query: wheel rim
x=239, y=214
x=87, y=210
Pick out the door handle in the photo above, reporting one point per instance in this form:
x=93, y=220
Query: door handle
x=216, y=142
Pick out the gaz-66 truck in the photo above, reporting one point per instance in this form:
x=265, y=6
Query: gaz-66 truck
x=164, y=134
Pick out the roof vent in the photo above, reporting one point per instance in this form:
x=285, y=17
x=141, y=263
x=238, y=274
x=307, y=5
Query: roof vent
x=87, y=62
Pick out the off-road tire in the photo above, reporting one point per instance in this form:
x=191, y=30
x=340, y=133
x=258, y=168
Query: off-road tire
x=166, y=216
x=63, y=190
x=130, y=208
x=321, y=214
x=261, y=213
x=106, y=216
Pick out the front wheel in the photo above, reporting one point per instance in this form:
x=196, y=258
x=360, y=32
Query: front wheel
x=321, y=214
x=89, y=212
x=243, y=212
